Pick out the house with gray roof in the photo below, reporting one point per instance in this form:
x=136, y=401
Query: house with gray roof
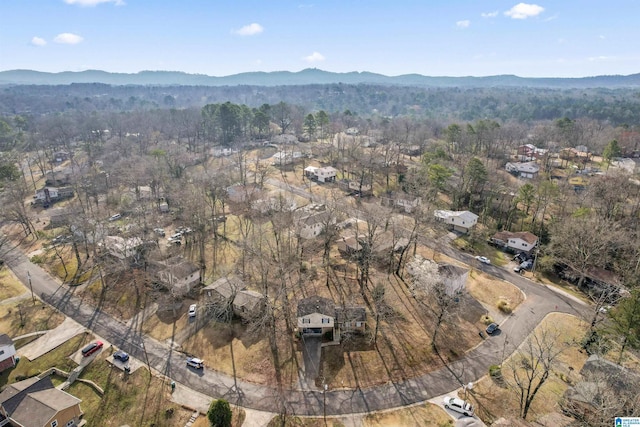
x=461, y=221
x=35, y=402
x=7, y=352
x=318, y=316
x=230, y=295
x=176, y=274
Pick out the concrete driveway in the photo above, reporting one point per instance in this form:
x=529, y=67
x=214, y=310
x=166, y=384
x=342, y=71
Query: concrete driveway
x=52, y=339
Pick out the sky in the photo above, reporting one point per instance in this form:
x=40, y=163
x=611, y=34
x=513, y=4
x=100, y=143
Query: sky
x=545, y=38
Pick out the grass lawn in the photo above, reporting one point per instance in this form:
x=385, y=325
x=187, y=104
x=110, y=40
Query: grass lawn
x=293, y=421
x=494, y=400
x=138, y=399
x=427, y=415
x=491, y=291
x=57, y=357
x=10, y=286
x=23, y=317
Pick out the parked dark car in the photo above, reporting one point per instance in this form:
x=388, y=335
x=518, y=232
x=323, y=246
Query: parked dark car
x=92, y=348
x=121, y=356
x=492, y=328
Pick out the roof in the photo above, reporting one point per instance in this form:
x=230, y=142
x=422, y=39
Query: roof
x=5, y=340
x=248, y=299
x=35, y=401
x=529, y=167
x=315, y=218
x=177, y=266
x=450, y=270
x=528, y=237
x=465, y=215
x=227, y=287
x=316, y=304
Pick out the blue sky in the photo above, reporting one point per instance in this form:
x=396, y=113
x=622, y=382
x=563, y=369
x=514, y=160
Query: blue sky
x=559, y=38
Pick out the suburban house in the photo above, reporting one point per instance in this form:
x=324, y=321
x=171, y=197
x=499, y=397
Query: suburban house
x=176, y=274
x=318, y=316
x=312, y=220
x=239, y=193
x=523, y=170
x=461, y=221
x=451, y=277
x=59, y=157
x=275, y=201
x=223, y=151
x=360, y=187
x=626, y=164
x=287, y=157
x=520, y=241
x=59, y=176
x=324, y=174
x=122, y=248
x=7, y=352
x=348, y=245
x=35, y=402
x=401, y=200
x=231, y=294
x=48, y=195
x=603, y=383
x=528, y=152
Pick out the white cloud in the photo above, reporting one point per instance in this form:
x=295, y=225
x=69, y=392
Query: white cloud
x=38, y=41
x=463, y=24
x=68, y=38
x=524, y=11
x=314, y=57
x=601, y=37
x=250, y=30
x=94, y=2
x=490, y=14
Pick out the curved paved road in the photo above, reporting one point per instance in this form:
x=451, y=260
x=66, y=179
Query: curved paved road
x=540, y=301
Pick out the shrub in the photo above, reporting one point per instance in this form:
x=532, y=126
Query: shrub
x=486, y=319
x=504, y=307
x=495, y=371
x=219, y=414
x=37, y=259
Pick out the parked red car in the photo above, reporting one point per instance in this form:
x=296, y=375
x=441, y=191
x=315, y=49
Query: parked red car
x=92, y=348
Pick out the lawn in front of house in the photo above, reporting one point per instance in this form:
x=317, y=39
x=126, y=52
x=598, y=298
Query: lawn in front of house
x=425, y=415
x=23, y=317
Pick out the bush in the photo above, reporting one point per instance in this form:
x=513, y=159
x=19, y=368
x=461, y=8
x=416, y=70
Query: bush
x=219, y=414
x=37, y=259
x=504, y=307
x=486, y=319
x=495, y=372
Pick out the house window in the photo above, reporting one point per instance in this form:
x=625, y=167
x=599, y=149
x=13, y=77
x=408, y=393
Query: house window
x=524, y=244
x=71, y=423
x=54, y=423
x=1, y=352
x=325, y=320
x=304, y=320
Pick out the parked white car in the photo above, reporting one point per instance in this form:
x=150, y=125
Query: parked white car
x=458, y=405
x=192, y=310
x=483, y=259
x=194, y=362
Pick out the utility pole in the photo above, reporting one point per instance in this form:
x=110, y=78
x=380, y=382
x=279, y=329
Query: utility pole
x=324, y=403
x=33, y=298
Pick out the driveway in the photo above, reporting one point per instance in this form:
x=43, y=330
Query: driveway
x=68, y=329
x=312, y=353
x=541, y=300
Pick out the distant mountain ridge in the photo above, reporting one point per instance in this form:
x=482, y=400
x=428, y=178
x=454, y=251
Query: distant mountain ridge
x=307, y=76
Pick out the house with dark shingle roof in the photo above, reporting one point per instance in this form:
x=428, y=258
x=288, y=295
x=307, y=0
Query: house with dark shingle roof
x=35, y=402
x=231, y=294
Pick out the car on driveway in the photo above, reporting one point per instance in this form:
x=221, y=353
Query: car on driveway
x=92, y=348
x=194, y=362
x=121, y=356
x=492, y=328
x=192, y=310
x=115, y=217
x=458, y=405
x=483, y=259
x=526, y=265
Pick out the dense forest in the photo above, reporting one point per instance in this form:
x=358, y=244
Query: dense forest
x=526, y=105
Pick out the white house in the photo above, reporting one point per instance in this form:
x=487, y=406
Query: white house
x=523, y=170
x=7, y=352
x=325, y=174
x=461, y=221
x=521, y=241
x=402, y=200
x=48, y=194
x=316, y=315
x=312, y=223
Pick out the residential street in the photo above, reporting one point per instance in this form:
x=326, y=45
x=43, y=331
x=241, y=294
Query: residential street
x=540, y=301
